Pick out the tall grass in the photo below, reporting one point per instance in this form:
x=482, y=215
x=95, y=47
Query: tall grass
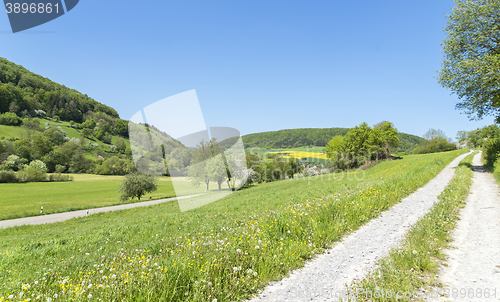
x=224, y=251
x=412, y=267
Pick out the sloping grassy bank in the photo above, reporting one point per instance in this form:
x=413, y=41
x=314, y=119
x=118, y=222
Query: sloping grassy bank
x=224, y=251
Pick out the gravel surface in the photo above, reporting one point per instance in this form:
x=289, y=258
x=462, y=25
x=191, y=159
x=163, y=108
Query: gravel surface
x=324, y=277
x=474, y=262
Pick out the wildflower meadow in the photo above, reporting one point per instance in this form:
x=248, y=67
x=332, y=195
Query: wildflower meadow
x=224, y=251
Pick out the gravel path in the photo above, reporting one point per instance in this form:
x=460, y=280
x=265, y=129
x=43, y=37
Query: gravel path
x=324, y=277
x=474, y=263
x=51, y=218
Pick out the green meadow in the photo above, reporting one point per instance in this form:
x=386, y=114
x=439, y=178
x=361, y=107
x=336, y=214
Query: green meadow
x=224, y=251
x=84, y=192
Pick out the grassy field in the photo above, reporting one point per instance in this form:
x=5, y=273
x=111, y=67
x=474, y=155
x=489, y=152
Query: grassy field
x=10, y=131
x=84, y=192
x=413, y=265
x=224, y=251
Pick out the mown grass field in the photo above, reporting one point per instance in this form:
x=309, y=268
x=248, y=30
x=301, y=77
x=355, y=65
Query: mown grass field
x=224, y=251
x=84, y=192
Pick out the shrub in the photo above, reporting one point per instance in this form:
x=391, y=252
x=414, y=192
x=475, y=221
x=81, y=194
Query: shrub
x=38, y=164
x=491, y=148
x=10, y=119
x=115, y=166
x=60, y=168
x=106, y=138
x=8, y=176
x=56, y=118
x=12, y=162
x=32, y=174
x=60, y=177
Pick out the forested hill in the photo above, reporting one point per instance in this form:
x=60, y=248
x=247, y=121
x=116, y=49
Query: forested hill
x=22, y=92
x=290, y=138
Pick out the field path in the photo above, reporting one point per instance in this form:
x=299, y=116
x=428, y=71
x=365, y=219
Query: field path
x=474, y=262
x=324, y=277
x=51, y=218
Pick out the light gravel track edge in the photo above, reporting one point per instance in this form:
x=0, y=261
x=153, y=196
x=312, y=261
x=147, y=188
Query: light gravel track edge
x=324, y=278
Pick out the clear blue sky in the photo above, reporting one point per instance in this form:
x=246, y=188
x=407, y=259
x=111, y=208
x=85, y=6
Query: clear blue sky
x=256, y=65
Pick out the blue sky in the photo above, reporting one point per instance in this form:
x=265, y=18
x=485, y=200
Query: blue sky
x=256, y=65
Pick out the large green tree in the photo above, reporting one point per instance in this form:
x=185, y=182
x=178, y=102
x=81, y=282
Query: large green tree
x=471, y=65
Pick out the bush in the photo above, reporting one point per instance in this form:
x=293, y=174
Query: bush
x=56, y=118
x=10, y=119
x=38, y=164
x=60, y=177
x=32, y=174
x=60, y=169
x=491, y=148
x=12, y=162
x=437, y=144
x=107, y=138
x=115, y=166
x=7, y=177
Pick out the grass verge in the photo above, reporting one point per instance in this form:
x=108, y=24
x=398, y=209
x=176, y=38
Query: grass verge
x=411, y=267
x=224, y=251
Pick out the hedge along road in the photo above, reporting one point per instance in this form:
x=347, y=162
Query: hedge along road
x=68, y=215
x=325, y=277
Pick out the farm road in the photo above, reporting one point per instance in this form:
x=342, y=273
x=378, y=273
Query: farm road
x=474, y=262
x=51, y=218
x=324, y=277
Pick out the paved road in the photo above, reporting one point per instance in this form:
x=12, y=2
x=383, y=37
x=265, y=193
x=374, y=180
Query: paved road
x=51, y=218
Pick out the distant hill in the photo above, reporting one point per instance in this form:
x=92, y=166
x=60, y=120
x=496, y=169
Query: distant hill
x=293, y=138
x=22, y=92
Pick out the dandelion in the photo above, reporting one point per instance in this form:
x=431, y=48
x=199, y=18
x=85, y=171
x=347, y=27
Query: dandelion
x=113, y=276
x=10, y=297
x=49, y=299
x=235, y=269
x=55, y=295
x=89, y=296
x=257, y=247
x=414, y=252
x=249, y=271
x=214, y=300
x=237, y=251
x=255, y=273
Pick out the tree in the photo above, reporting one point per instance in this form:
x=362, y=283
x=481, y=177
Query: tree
x=389, y=136
x=433, y=133
x=216, y=169
x=334, y=146
x=198, y=172
x=137, y=184
x=121, y=145
x=471, y=61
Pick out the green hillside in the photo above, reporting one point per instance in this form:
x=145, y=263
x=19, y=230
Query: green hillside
x=293, y=138
x=22, y=92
